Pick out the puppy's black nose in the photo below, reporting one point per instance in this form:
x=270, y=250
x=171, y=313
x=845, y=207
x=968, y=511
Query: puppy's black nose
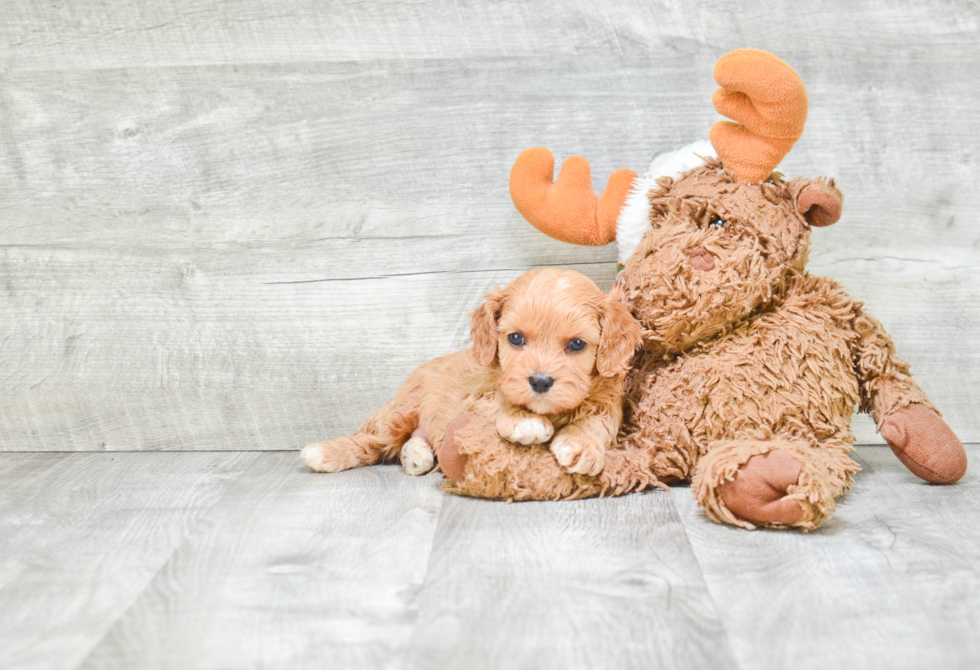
x=541, y=383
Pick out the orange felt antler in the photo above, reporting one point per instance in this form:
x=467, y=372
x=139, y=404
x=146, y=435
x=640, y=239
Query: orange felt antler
x=568, y=209
x=769, y=101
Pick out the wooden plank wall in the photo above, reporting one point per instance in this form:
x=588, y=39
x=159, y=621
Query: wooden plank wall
x=241, y=225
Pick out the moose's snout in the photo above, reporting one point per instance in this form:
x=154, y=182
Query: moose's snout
x=540, y=383
x=701, y=259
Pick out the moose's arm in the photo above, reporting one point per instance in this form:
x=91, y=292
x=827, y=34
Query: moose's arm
x=902, y=411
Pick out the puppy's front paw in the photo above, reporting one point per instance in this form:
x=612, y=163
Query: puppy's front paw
x=525, y=430
x=579, y=456
x=329, y=456
x=417, y=458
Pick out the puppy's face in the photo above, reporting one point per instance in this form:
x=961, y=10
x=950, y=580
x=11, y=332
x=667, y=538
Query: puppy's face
x=552, y=333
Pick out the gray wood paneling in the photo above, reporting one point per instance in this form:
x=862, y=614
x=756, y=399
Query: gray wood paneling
x=232, y=364
x=240, y=226
x=114, y=33
x=289, y=570
x=82, y=535
x=891, y=581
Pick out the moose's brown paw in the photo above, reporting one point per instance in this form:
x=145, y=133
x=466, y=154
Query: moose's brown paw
x=925, y=444
x=453, y=463
x=757, y=494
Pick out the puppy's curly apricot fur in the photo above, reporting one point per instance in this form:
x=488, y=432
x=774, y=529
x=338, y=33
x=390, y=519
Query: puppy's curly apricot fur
x=548, y=358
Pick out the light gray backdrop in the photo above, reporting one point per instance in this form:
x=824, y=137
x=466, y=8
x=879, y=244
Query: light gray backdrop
x=241, y=225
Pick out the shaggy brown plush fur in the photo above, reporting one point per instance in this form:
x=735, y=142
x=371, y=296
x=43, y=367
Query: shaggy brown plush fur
x=744, y=354
x=494, y=468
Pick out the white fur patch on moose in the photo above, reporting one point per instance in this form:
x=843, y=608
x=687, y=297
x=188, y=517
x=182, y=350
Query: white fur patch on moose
x=634, y=219
x=417, y=457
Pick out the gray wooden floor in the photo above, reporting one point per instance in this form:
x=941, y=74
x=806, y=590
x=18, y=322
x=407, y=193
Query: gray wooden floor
x=247, y=560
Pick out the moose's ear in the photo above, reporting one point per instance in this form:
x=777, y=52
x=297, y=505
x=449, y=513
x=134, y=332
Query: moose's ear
x=817, y=200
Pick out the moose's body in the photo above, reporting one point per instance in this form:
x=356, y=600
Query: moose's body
x=785, y=373
x=788, y=378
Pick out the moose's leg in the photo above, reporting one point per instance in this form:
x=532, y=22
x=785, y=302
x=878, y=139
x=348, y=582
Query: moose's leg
x=479, y=463
x=451, y=460
x=779, y=483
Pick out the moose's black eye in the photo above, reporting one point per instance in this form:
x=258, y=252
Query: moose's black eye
x=717, y=222
x=516, y=339
x=576, y=345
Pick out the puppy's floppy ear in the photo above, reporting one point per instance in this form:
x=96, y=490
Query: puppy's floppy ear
x=483, y=331
x=619, y=337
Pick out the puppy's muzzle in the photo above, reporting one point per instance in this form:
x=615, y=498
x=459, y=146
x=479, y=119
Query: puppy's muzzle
x=541, y=383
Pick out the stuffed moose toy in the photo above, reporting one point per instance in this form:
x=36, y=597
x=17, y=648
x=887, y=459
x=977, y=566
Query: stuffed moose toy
x=750, y=368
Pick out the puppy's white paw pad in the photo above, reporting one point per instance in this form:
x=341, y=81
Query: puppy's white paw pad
x=417, y=457
x=323, y=457
x=578, y=457
x=565, y=450
x=536, y=430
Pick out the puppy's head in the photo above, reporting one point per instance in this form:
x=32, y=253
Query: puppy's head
x=553, y=334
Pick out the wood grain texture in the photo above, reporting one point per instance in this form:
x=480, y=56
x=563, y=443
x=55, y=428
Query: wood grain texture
x=290, y=570
x=114, y=33
x=244, y=560
x=168, y=379
x=81, y=536
x=891, y=581
x=599, y=583
x=240, y=226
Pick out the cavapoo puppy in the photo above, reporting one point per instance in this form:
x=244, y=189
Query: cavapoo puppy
x=549, y=351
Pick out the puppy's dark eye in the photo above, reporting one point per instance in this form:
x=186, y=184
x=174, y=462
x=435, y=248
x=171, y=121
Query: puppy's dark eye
x=516, y=339
x=576, y=345
x=717, y=222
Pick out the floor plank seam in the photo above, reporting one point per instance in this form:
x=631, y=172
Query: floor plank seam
x=435, y=273
x=428, y=571
x=177, y=547
x=707, y=587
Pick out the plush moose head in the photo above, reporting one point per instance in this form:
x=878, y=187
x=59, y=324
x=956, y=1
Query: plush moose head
x=717, y=250
x=710, y=232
